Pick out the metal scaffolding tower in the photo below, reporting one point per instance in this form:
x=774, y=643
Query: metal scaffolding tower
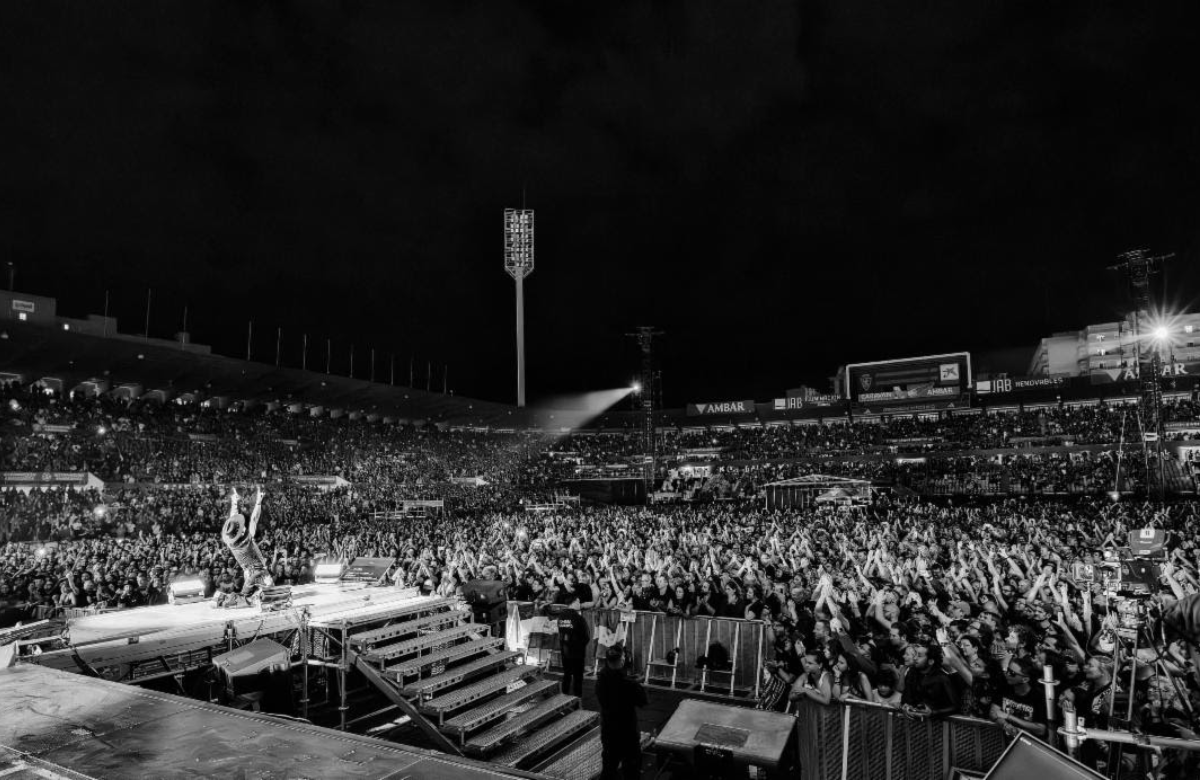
x=1139, y=266
x=649, y=382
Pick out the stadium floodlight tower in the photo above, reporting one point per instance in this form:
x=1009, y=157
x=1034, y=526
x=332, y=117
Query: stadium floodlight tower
x=518, y=262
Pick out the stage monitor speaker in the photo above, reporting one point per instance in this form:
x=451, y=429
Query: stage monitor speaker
x=261, y=667
x=369, y=570
x=247, y=661
x=485, y=593
x=1027, y=757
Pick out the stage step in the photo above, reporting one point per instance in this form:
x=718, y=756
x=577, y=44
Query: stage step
x=427, y=642
x=457, y=674
x=436, y=622
x=494, y=709
x=580, y=760
x=521, y=723
x=438, y=605
x=419, y=665
x=457, y=699
x=544, y=740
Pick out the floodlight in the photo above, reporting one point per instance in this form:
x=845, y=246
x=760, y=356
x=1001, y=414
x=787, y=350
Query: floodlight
x=1161, y=333
x=327, y=573
x=185, y=591
x=636, y=387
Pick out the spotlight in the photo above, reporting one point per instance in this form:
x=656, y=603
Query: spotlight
x=1161, y=333
x=636, y=387
x=41, y=552
x=100, y=510
x=327, y=573
x=101, y=431
x=186, y=592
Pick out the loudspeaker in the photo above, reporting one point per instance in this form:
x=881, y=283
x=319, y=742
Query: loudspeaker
x=1028, y=757
x=240, y=668
x=369, y=570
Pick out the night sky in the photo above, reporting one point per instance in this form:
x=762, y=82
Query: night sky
x=782, y=187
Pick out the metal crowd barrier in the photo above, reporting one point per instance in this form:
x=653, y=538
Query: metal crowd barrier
x=862, y=741
x=650, y=637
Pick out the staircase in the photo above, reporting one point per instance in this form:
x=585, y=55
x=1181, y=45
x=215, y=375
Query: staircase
x=470, y=695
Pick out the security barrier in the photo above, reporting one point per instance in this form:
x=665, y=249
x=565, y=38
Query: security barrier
x=862, y=741
x=650, y=639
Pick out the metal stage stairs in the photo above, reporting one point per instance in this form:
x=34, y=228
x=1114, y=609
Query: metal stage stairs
x=469, y=695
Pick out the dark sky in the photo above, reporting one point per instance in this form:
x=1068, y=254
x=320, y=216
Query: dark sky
x=782, y=187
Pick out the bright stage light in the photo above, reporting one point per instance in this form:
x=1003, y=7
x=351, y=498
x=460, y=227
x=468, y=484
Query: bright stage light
x=41, y=552
x=1161, y=333
x=636, y=387
x=327, y=573
x=185, y=591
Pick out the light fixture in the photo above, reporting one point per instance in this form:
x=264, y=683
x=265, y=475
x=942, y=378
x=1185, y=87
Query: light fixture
x=1161, y=333
x=327, y=573
x=185, y=592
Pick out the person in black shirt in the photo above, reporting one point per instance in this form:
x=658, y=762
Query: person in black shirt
x=928, y=689
x=1021, y=706
x=573, y=638
x=620, y=695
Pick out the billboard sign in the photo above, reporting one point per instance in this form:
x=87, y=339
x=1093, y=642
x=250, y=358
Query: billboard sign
x=1019, y=384
x=1171, y=370
x=720, y=407
x=909, y=384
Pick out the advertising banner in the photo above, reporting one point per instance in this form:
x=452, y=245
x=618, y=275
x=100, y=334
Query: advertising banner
x=910, y=384
x=720, y=407
x=1019, y=384
x=1130, y=373
x=75, y=480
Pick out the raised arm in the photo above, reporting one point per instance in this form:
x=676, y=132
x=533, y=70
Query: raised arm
x=255, y=513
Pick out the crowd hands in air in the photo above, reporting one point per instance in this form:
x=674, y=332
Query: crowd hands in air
x=934, y=607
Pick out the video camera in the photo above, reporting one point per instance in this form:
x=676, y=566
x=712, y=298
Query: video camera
x=1135, y=571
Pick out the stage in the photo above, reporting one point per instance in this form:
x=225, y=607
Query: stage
x=324, y=602
x=60, y=725
x=137, y=645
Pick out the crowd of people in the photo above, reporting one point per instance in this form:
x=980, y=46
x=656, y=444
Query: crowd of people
x=934, y=605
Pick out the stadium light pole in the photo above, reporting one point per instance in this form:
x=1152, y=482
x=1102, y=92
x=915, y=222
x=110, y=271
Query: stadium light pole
x=518, y=262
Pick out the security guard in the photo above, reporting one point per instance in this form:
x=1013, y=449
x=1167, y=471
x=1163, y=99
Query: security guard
x=573, y=638
x=620, y=695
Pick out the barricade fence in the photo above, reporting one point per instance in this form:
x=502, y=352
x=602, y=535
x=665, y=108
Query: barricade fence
x=667, y=650
x=863, y=741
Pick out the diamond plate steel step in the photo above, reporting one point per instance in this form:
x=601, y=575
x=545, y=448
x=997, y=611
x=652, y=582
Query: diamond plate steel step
x=457, y=699
x=436, y=622
x=375, y=635
x=522, y=723
x=580, y=760
x=494, y=709
x=456, y=674
x=423, y=663
x=544, y=740
x=426, y=642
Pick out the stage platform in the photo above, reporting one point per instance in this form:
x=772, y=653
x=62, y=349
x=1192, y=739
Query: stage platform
x=324, y=602
x=55, y=725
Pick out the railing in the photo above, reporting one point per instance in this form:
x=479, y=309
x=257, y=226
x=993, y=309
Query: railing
x=861, y=741
x=649, y=637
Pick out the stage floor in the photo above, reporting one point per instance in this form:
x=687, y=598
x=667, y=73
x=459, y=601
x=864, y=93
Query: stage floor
x=59, y=725
x=323, y=601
